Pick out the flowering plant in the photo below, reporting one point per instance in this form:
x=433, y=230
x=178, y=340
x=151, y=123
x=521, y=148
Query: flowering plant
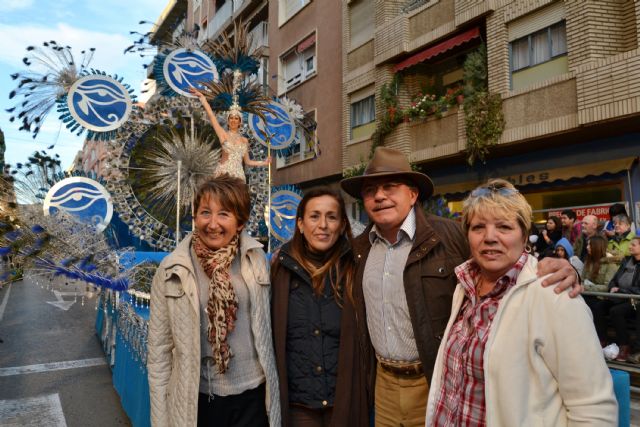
x=426, y=104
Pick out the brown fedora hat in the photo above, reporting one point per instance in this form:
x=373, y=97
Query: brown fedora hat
x=387, y=162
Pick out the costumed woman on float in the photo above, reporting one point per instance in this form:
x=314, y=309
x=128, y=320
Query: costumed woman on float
x=235, y=147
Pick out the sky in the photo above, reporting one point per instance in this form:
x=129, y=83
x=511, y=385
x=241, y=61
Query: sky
x=81, y=24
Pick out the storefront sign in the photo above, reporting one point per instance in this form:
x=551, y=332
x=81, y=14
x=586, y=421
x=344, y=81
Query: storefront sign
x=601, y=211
x=528, y=178
x=551, y=176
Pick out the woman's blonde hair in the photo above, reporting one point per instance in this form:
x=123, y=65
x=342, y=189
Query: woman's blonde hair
x=498, y=197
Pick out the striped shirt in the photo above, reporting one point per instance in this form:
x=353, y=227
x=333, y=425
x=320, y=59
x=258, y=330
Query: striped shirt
x=383, y=285
x=461, y=401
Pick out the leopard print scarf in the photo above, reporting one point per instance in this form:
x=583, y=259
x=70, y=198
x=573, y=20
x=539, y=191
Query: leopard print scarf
x=222, y=305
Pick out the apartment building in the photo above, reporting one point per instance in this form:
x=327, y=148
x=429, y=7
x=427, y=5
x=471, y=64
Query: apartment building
x=305, y=63
x=567, y=73
x=92, y=159
x=215, y=17
x=300, y=42
x=7, y=194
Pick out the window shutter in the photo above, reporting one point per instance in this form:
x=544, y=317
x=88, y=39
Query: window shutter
x=536, y=21
x=362, y=22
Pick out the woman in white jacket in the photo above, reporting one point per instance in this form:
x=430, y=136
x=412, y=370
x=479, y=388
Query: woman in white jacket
x=515, y=353
x=210, y=352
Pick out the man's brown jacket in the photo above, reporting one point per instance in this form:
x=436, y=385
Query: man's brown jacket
x=429, y=281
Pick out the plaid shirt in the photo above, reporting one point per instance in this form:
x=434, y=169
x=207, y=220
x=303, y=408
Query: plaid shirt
x=461, y=401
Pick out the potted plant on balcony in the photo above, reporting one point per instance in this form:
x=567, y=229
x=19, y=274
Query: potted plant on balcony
x=484, y=118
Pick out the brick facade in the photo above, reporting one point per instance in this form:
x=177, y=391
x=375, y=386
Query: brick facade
x=602, y=83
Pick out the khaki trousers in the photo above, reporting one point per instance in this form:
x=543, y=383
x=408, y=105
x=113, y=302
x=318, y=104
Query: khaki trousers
x=400, y=401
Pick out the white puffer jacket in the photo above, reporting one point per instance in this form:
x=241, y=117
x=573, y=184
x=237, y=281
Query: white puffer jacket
x=173, y=361
x=543, y=365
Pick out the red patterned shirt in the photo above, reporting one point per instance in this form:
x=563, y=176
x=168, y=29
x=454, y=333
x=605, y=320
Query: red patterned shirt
x=461, y=399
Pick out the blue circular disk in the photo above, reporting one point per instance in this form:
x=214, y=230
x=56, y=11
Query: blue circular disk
x=183, y=69
x=83, y=198
x=280, y=127
x=284, y=204
x=99, y=103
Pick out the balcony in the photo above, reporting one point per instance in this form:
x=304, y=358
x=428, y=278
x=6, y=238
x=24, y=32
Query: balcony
x=468, y=10
x=220, y=20
x=259, y=36
x=401, y=33
x=437, y=137
x=237, y=5
x=413, y=4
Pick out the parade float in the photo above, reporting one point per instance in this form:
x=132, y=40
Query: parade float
x=70, y=226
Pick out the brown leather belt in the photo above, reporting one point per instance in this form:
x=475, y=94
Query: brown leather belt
x=400, y=368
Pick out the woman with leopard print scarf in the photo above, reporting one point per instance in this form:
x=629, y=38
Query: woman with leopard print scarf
x=211, y=357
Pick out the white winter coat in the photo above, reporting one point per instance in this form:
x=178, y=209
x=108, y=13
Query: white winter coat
x=543, y=364
x=173, y=361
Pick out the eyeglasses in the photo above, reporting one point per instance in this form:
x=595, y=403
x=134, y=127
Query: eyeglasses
x=387, y=188
x=491, y=189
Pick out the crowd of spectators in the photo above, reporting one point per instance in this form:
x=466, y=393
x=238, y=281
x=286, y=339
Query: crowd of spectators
x=607, y=257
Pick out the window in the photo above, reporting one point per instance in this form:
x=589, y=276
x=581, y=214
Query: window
x=288, y=8
x=309, y=65
x=362, y=22
x=539, y=47
x=292, y=71
x=261, y=76
x=363, y=117
x=299, y=63
x=539, y=56
x=304, y=146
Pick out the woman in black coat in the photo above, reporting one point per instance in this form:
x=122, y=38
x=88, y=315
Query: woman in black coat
x=318, y=356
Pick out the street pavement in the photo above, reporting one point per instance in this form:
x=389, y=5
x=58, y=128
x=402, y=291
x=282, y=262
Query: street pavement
x=52, y=368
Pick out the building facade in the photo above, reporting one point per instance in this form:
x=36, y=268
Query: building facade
x=92, y=159
x=305, y=41
x=215, y=17
x=300, y=43
x=566, y=72
x=7, y=193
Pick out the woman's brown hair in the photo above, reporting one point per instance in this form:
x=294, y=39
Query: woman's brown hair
x=556, y=220
x=598, y=245
x=339, y=270
x=232, y=193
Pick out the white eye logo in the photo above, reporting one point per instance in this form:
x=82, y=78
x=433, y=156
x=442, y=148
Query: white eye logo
x=279, y=127
x=183, y=69
x=99, y=103
x=83, y=198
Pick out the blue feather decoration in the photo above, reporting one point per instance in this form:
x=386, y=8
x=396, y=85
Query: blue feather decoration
x=37, y=229
x=116, y=284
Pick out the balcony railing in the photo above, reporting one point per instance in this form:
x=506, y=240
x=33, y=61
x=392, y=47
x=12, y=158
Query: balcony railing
x=220, y=18
x=259, y=36
x=237, y=4
x=413, y=4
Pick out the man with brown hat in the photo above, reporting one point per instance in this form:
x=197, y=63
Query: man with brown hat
x=405, y=280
